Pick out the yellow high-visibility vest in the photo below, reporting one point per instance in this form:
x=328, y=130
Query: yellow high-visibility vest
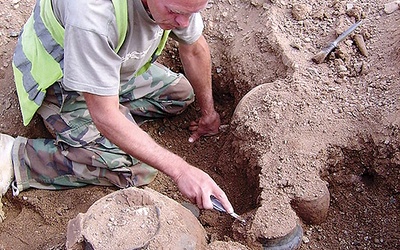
x=38, y=57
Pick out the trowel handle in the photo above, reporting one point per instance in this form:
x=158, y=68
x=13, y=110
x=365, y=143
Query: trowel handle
x=217, y=204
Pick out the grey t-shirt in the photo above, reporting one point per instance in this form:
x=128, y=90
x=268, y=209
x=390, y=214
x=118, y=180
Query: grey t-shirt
x=91, y=34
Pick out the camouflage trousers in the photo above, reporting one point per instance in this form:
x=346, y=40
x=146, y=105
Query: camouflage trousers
x=78, y=154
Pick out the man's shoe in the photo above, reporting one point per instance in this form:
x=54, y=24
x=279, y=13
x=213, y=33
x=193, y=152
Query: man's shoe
x=6, y=166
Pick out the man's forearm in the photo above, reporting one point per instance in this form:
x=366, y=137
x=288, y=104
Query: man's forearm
x=130, y=138
x=196, y=62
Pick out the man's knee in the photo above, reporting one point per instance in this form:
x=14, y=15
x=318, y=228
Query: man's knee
x=181, y=90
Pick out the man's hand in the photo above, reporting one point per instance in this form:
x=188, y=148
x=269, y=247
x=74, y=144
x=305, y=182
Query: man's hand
x=198, y=186
x=207, y=125
x=196, y=61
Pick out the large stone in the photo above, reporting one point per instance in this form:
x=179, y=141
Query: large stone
x=136, y=218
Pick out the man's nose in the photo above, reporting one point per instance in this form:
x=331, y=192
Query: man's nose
x=182, y=20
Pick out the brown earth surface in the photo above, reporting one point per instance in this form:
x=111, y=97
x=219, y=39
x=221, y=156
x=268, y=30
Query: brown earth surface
x=344, y=112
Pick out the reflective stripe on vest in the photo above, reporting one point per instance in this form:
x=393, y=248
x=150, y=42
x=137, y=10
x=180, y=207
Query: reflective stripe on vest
x=156, y=53
x=34, y=63
x=38, y=57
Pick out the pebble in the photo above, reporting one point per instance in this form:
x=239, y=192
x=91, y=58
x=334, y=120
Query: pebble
x=391, y=7
x=342, y=68
x=359, y=40
x=349, y=6
x=300, y=11
x=358, y=66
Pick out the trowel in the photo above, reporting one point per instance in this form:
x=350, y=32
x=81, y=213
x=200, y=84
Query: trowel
x=320, y=56
x=218, y=206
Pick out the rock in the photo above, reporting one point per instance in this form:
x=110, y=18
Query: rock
x=300, y=11
x=135, y=218
x=355, y=11
x=391, y=7
x=319, y=14
x=313, y=209
x=257, y=3
x=359, y=40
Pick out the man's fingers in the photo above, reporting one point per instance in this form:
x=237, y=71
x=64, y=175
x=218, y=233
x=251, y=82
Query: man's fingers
x=227, y=205
x=193, y=127
x=199, y=202
x=194, y=137
x=207, y=204
x=199, y=131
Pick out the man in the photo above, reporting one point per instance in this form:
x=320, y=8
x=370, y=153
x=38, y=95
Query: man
x=85, y=66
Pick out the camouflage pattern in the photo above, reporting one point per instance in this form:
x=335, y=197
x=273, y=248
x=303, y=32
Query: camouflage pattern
x=79, y=155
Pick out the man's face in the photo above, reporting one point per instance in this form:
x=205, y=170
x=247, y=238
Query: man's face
x=174, y=14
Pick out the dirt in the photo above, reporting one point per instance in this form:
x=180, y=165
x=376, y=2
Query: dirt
x=344, y=112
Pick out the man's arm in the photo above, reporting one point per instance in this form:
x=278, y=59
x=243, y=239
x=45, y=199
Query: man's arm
x=196, y=62
x=195, y=184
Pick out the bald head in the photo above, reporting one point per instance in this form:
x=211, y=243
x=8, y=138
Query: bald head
x=174, y=14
